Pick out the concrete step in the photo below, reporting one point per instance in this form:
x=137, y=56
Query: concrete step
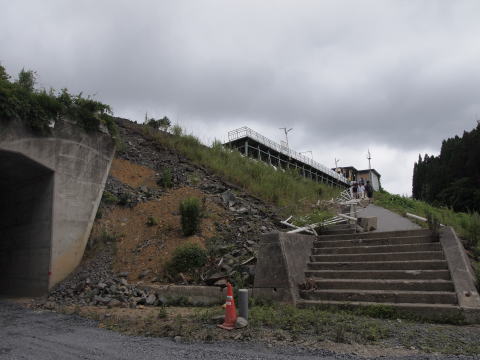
x=340, y=226
x=337, y=231
x=379, y=274
x=401, y=256
x=437, y=312
x=378, y=249
x=380, y=265
x=367, y=284
x=402, y=240
x=382, y=296
x=376, y=235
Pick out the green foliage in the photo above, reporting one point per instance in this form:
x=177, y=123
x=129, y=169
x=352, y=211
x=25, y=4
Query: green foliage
x=451, y=178
x=39, y=109
x=177, y=130
x=190, y=212
x=187, y=258
x=162, y=313
x=286, y=189
x=162, y=124
x=467, y=225
x=151, y=221
x=3, y=74
x=26, y=80
x=339, y=326
x=104, y=237
x=108, y=198
x=166, y=180
x=314, y=217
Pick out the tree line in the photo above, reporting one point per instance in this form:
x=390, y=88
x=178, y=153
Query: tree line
x=452, y=178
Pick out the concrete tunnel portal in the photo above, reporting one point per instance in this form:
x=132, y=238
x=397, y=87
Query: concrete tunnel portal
x=50, y=189
x=26, y=193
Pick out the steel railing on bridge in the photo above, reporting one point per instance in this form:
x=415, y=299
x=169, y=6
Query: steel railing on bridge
x=245, y=132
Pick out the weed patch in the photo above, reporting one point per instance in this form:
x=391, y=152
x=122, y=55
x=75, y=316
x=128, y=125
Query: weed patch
x=190, y=215
x=187, y=258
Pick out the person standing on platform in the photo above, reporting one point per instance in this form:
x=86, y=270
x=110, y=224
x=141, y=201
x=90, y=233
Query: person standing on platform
x=355, y=190
x=361, y=191
x=369, y=191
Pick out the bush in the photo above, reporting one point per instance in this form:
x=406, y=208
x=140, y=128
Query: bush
x=166, y=180
x=109, y=198
x=177, y=130
x=39, y=109
x=190, y=215
x=186, y=258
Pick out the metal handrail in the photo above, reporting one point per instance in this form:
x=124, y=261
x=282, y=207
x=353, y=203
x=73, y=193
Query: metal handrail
x=247, y=132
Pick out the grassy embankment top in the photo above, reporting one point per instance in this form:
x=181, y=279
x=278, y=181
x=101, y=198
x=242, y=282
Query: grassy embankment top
x=467, y=225
x=37, y=109
x=288, y=190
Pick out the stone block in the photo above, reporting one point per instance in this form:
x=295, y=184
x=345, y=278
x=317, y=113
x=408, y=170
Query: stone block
x=368, y=223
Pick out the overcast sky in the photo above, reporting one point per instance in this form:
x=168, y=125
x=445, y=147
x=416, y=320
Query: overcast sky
x=395, y=77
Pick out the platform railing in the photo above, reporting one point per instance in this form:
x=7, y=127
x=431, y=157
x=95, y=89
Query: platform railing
x=245, y=132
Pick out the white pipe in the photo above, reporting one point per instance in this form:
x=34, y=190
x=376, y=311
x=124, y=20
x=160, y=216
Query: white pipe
x=347, y=217
x=418, y=217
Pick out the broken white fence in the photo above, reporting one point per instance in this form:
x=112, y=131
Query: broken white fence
x=345, y=198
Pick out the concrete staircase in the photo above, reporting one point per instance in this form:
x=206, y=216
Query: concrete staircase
x=406, y=270
x=339, y=229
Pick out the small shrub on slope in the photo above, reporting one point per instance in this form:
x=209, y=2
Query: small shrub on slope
x=186, y=258
x=190, y=216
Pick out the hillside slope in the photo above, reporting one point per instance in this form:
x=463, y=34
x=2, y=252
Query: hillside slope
x=138, y=224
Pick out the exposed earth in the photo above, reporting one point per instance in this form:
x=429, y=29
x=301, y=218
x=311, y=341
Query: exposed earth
x=138, y=228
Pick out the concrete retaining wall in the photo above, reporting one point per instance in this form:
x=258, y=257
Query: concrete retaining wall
x=461, y=273
x=78, y=164
x=281, y=263
x=191, y=294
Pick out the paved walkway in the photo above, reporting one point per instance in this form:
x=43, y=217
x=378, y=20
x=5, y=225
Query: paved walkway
x=388, y=220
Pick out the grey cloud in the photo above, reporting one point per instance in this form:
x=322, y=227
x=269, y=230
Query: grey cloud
x=404, y=74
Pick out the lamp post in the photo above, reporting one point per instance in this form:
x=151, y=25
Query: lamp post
x=369, y=157
x=286, y=134
x=336, y=163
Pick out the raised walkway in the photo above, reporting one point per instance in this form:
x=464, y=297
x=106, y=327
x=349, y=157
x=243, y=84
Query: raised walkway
x=388, y=220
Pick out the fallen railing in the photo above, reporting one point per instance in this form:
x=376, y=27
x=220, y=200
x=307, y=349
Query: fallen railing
x=413, y=216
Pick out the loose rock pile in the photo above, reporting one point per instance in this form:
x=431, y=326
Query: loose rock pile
x=95, y=284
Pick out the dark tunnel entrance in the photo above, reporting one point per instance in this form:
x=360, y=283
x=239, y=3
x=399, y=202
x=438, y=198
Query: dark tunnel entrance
x=26, y=198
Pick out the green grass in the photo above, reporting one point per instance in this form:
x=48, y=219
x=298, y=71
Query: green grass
x=467, y=225
x=339, y=326
x=288, y=190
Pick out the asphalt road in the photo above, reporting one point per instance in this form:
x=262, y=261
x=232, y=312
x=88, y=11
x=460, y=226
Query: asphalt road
x=42, y=335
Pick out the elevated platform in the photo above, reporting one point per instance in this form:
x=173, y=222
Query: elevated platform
x=252, y=144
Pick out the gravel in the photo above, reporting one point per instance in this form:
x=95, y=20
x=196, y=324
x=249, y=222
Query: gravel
x=44, y=335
